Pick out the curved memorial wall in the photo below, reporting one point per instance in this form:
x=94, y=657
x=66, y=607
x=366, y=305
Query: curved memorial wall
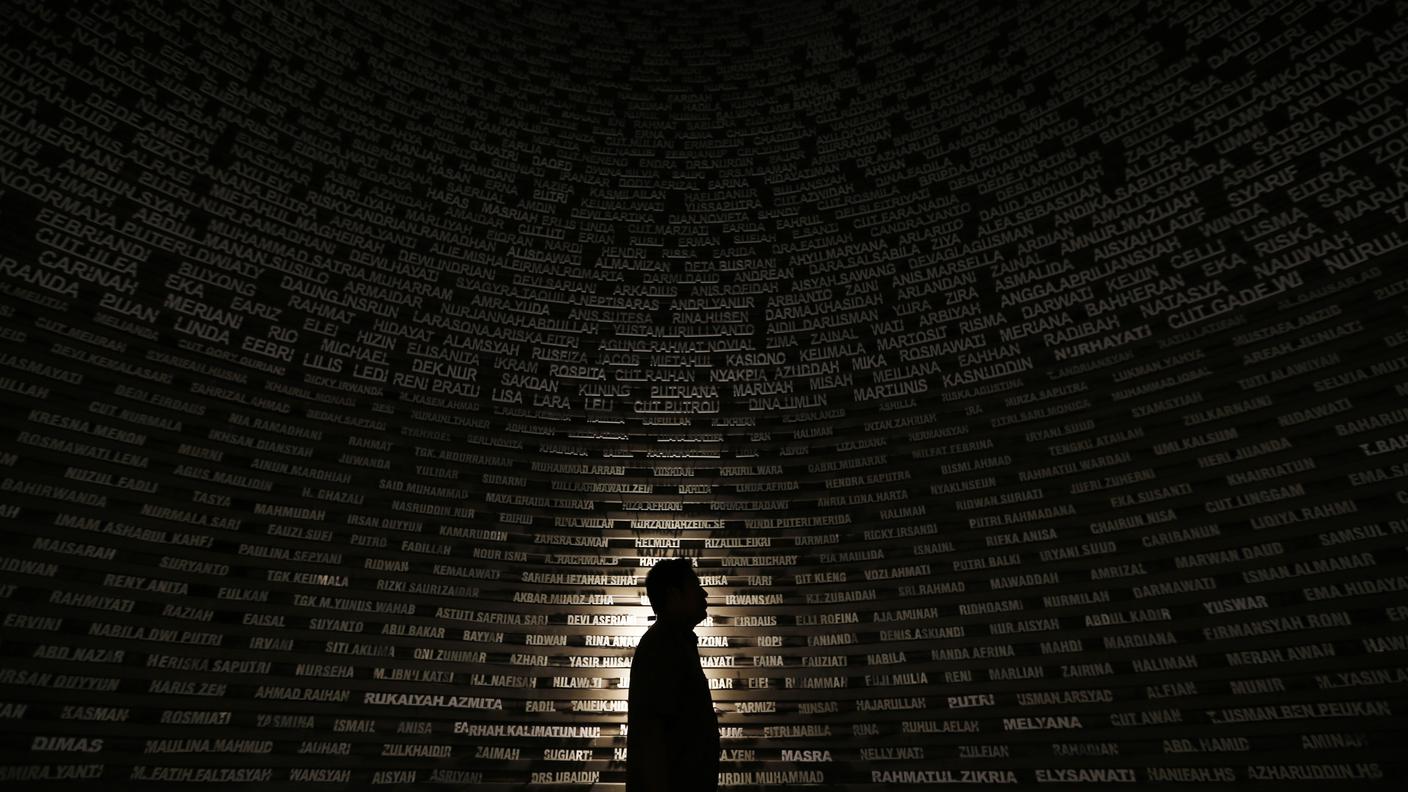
x=1026, y=383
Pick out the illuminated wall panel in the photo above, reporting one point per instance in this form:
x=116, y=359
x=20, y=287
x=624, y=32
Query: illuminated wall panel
x=1026, y=382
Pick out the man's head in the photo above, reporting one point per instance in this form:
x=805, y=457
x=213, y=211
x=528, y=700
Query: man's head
x=675, y=592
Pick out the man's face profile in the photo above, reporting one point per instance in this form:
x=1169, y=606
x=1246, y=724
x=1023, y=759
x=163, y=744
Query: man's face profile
x=688, y=602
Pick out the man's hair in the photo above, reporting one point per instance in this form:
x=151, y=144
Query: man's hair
x=668, y=574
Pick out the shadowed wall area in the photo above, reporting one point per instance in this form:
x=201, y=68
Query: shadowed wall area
x=1025, y=381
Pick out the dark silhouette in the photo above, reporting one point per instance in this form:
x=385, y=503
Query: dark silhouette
x=672, y=744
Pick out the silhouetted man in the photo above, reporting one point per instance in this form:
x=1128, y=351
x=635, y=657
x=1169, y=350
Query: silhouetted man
x=672, y=744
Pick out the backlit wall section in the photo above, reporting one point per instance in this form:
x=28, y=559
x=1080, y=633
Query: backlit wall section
x=1026, y=382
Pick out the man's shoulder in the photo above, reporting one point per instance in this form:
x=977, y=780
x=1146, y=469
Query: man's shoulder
x=659, y=640
x=652, y=638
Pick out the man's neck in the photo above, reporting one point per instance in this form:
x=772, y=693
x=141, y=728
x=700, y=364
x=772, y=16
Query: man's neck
x=674, y=623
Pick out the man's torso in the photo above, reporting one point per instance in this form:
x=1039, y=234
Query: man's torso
x=666, y=664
